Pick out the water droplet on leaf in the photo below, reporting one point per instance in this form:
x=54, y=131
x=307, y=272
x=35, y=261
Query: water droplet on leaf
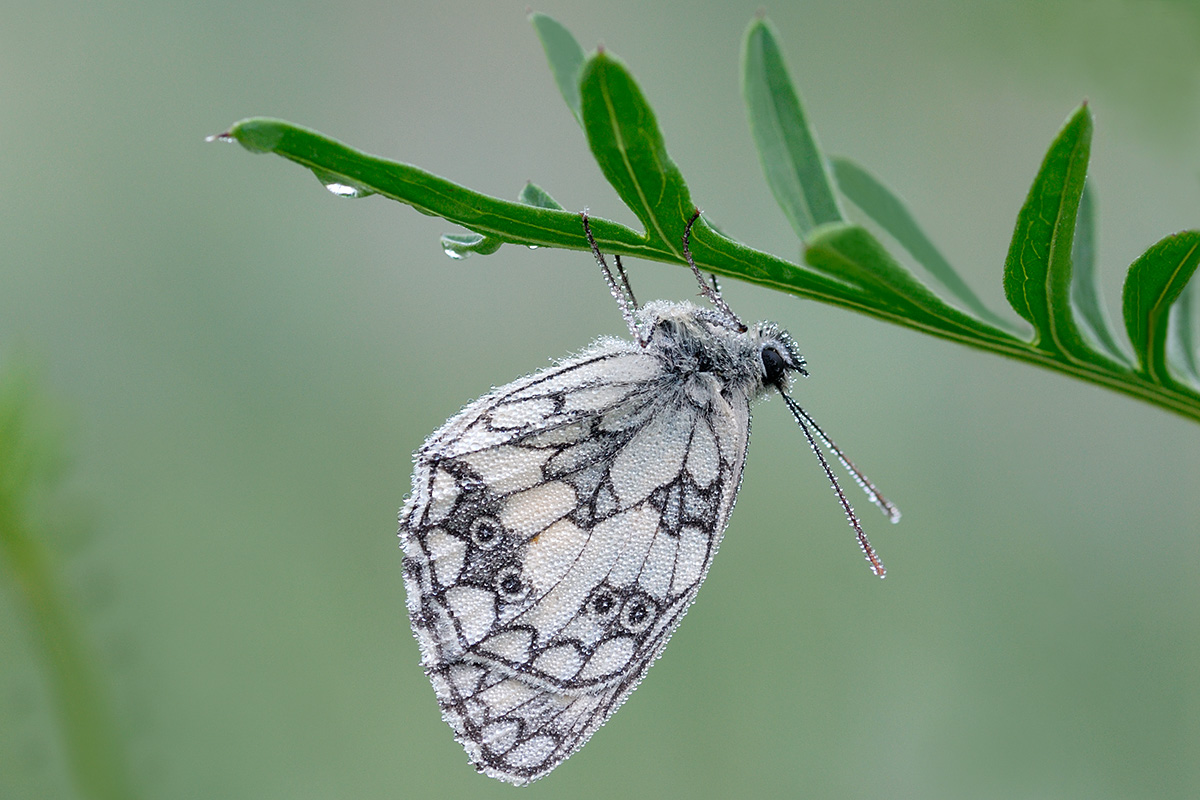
x=340, y=185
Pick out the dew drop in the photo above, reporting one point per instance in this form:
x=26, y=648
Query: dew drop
x=221, y=137
x=457, y=255
x=340, y=185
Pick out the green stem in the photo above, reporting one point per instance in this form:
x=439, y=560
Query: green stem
x=92, y=742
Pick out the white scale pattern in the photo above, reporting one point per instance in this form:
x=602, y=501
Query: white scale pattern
x=559, y=527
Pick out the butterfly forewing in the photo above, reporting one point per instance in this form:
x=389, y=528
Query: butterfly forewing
x=558, y=529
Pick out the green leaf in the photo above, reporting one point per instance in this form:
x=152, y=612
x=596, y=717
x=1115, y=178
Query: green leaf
x=512, y=222
x=882, y=205
x=1085, y=287
x=851, y=253
x=1181, y=333
x=849, y=269
x=787, y=146
x=536, y=196
x=629, y=148
x=520, y=223
x=461, y=245
x=565, y=57
x=1037, y=272
x=1153, y=283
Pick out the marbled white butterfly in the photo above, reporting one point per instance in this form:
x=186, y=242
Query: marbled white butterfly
x=559, y=527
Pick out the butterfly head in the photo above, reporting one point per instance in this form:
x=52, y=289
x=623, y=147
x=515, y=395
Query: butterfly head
x=777, y=357
x=702, y=342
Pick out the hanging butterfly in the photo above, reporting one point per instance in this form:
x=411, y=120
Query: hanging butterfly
x=560, y=526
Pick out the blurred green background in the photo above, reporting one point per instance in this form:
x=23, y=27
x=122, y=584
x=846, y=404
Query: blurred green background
x=248, y=363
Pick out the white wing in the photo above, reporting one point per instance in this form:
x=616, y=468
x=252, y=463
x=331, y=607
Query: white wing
x=557, y=532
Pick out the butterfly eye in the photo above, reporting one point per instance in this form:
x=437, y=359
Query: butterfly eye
x=486, y=532
x=509, y=583
x=637, y=613
x=775, y=366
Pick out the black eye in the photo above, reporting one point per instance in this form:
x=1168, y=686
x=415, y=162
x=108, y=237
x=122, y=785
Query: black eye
x=509, y=583
x=637, y=613
x=486, y=531
x=774, y=365
x=603, y=603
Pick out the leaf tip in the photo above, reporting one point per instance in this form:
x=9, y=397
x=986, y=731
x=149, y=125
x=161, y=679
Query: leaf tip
x=1082, y=116
x=756, y=29
x=542, y=21
x=760, y=25
x=600, y=59
x=258, y=134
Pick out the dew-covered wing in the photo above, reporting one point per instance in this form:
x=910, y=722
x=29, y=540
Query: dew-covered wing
x=557, y=531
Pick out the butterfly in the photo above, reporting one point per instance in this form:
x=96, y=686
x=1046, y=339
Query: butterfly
x=559, y=527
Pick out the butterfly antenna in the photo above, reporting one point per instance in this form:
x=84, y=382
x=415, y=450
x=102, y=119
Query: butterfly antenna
x=625, y=282
x=888, y=508
x=807, y=425
x=711, y=292
x=622, y=292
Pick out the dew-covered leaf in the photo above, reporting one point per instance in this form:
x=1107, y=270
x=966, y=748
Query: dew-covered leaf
x=511, y=221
